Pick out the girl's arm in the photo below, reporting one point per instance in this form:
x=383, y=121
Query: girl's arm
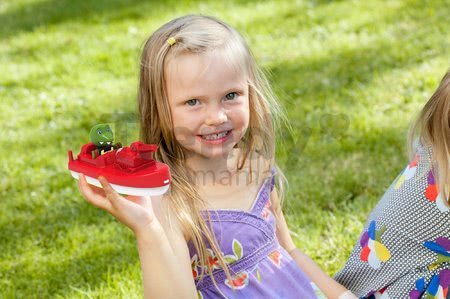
x=326, y=284
x=163, y=251
x=165, y=260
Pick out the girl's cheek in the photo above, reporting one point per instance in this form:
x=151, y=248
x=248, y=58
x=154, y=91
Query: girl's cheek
x=241, y=115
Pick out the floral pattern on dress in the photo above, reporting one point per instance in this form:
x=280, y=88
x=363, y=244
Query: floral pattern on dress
x=213, y=260
x=432, y=193
x=408, y=173
x=381, y=294
x=373, y=251
x=241, y=279
x=195, y=265
x=238, y=253
x=438, y=287
x=238, y=281
x=265, y=213
x=441, y=246
x=275, y=257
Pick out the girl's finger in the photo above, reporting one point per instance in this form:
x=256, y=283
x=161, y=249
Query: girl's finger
x=93, y=197
x=137, y=199
x=97, y=190
x=144, y=201
x=111, y=194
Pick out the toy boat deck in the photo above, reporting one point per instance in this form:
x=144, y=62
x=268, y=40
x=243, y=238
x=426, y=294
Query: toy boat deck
x=130, y=170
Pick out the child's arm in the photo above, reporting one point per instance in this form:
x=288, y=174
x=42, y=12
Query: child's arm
x=165, y=264
x=162, y=248
x=326, y=284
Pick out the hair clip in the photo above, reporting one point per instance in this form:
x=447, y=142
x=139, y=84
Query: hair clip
x=171, y=41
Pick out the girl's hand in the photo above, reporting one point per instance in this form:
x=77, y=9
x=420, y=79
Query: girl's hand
x=134, y=211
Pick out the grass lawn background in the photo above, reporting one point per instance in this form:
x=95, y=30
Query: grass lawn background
x=350, y=74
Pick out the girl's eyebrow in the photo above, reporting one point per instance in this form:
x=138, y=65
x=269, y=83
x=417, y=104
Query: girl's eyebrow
x=233, y=88
x=237, y=87
x=187, y=98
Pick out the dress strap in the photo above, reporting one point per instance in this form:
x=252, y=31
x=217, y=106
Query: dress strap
x=263, y=195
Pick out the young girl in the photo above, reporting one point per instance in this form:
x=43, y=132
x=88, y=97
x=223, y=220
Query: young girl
x=404, y=251
x=220, y=231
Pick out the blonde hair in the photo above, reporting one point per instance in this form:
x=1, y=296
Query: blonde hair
x=433, y=128
x=200, y=34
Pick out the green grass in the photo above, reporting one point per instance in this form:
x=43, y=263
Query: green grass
x=350, y=74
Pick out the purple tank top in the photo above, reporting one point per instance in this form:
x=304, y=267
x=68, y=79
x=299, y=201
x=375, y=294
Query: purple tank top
x=259, y=266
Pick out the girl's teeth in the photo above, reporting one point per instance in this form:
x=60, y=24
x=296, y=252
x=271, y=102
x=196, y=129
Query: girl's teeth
x=215, y=136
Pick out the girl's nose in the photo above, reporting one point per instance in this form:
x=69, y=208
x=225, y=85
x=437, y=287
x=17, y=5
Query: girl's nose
x=216, y=116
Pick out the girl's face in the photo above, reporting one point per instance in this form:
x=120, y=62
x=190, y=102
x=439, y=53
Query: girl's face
x=209, y=103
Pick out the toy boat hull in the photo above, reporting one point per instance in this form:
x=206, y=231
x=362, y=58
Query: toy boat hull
x=155, y=191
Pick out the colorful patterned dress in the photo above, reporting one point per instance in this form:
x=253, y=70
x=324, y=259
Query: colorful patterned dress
x=404, y=250
x=259, y=266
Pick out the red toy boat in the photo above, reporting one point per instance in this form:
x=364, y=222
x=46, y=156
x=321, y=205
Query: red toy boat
x=130, y=170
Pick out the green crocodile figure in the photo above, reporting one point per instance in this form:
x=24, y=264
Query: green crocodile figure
x=102, y=136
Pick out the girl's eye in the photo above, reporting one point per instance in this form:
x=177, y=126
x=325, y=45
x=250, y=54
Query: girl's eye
x=231, y=96
x=192, y=102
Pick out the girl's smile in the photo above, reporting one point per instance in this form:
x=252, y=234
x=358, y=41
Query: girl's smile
x=216, y=138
